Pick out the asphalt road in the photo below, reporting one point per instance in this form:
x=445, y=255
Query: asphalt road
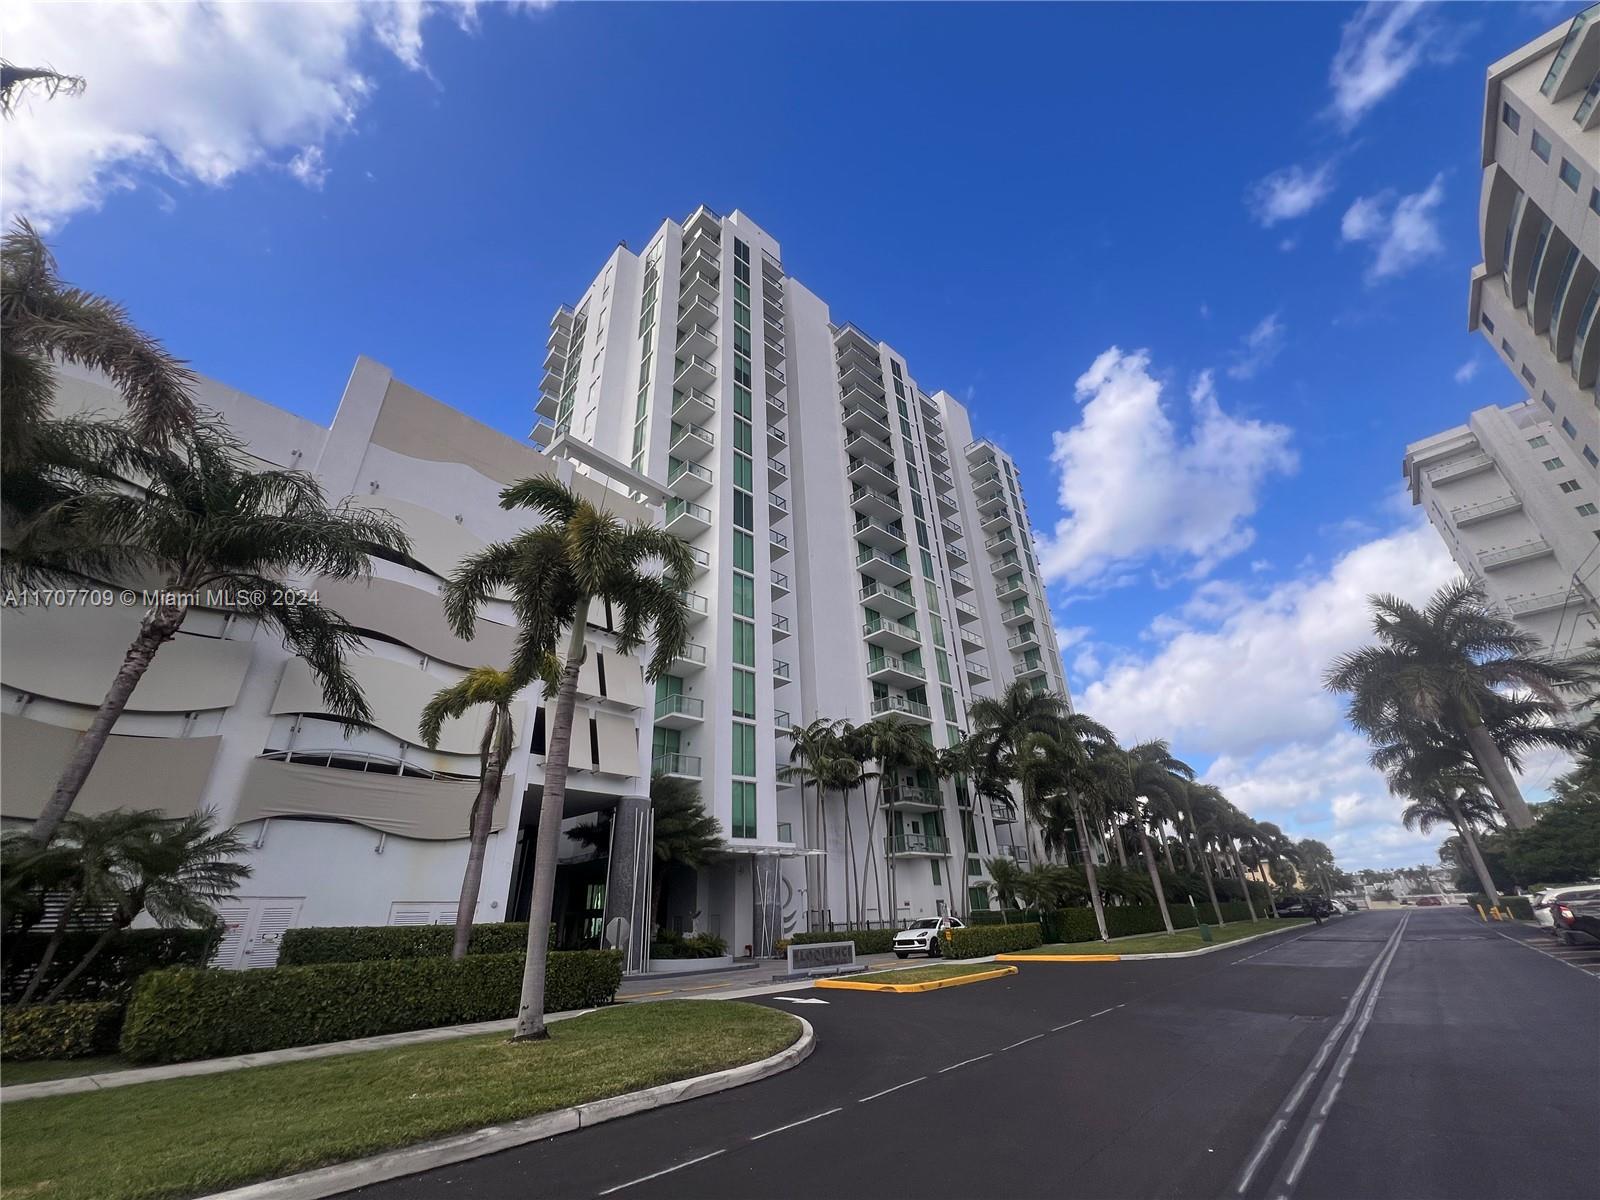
x=1410, y=1054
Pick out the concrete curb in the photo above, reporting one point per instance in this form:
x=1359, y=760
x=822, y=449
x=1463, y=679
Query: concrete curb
x=362, y=1172
x=932, y=985
x=1254, y=937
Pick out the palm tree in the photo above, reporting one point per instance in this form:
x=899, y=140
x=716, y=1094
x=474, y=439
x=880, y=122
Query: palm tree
x=216, y=531
x=684, y=833
x=838, y=772
x=897, y=748
x=810, y=747
x=1316, y=858
x=16, y=82
x=578, y=557
x=1001, y=725
x=44, y=322
x=1234, y=825
x=1005, y=879
x=1157, y=776
x=1444, y=786
x=1442, y=668
x=496, y=689
x=1197, y=798
x=1055, y=768
x=174, y=870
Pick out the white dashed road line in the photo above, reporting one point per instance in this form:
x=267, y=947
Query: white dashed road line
x=796, y=1124
x=659, y=1174
x=895, y=1088
x=965, y=1061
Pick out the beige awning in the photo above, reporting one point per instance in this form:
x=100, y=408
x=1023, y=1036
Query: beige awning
x=169, y=774
x=619, y=744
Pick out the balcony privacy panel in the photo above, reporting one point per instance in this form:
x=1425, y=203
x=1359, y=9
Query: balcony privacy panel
x=434, y=810
x=169, y=774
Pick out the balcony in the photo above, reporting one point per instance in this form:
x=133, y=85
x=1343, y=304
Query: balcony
x=693, y=407
x=781, y=719
x=1026, y=639
x=861, y=418
x=702, y=560
x=995, y=521
x=691, y=658
x=855, y=352
x=869, y=474
x=887, y=668
x=1470, y=514
x=964, y=611
x=700, y=259
x=698, y=606
x=698, y=312
x=890, y=635
x=686, y=519
x=548, y=404
x=1537, y=604
x=677, y=766
x=777, y=439
x=688, y=478
x=773, y=347
x=955, y=553
x=778, y=542
x=985, y=474
x=771, y=268
x=859, y=377
x=890, y=536
x=1010, y=589
x=1005, y=564
x=692, y=442
x=930, y=410
x=960, y=581
x=916, y=845
x=887, y=568
x=1491, y=559
x=777, y=507
x=697, y=340
x=1020, y=611
x=780, y=672
x=780, y=627
x=976, y=671
x=875, y=503
x=777, y=407
x=865, y=446
x=991, y=501
x=694, y=372
x=1460, y=468
x=946, y=502
x=971, y=639
x=1029, y=670
x=543, y=432
x=679, y=712
x=780, y=584
x=1005, y=540
x=952, y=529
x=700, y=280
x=939, y=458
x=899, y=708
x=980, y=452
x=777, y=472
x=1017, y=854
x=890, y=601
x=912, y=799
x=776, y=379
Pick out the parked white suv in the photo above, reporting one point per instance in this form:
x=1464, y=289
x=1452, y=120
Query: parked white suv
x=923, y=936
x=1544, y=914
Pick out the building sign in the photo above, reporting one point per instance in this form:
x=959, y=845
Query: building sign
x=816, y=956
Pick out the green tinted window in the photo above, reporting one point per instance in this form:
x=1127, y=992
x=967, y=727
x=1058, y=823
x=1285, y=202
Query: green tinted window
x=744, y=594
x=744, y=552
x=744, y=694
x=744, y=748
x=744, y=643
x=744, y=810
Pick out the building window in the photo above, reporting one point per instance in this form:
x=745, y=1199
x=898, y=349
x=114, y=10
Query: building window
x=1541, y=145
x=1511, y=117
x=1544, y=398
x=744, y=809
x=1527, y=376
x=1590, y=457
x=1537, y=442
x=744, y=694
x=1552, y=464
x=1568, y=429
x=1570, y=175
x=1587, y=510
x=744, y=643
x=1594, y=200
x=1487, y=322
x=744, y=748
x=1505, y=348
x=1570, y=485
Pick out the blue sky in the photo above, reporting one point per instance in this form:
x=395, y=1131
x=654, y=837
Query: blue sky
x=1202, y=269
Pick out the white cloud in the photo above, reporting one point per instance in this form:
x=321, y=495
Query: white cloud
x=1260, y=346
x=1133, y=486
x=1378, y=49
x=1468, y=371
x=1289, y=193
x=189, y=93
x=1402, y=235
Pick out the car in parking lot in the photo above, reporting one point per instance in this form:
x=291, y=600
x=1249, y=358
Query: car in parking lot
x=922, y=937
x=1544, y=903
x=1306, y=906
x=1349, y=906
x=1429, y=902
x=1577, y=921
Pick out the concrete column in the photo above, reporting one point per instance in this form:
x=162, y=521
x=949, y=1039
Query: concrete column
x=628, y=878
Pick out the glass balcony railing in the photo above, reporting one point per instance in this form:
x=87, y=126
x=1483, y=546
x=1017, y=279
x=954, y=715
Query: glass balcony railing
x=680, y=706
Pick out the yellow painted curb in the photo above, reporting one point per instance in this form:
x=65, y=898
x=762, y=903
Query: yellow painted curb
x=1013, y=958
x=930, y=986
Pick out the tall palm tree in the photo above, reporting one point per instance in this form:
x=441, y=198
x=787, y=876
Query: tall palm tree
x=838, y=772
x=1196, y=802
x=1157, y=777
x=810, y=746
x=898, y=749
x=1234, y=825
x=579, y=556
x=213, y=529
x=1055, y=769
x=174, y=870
x=1444, y=668
x=955, y=763
x=495, y=689
x=1001, y=724
x=1005, y=880
x=856, y=742
x=1444, y=787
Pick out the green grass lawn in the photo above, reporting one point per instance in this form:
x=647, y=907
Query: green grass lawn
x=14, y=1073
x=1170, y=943
x=923, y=974
x=185, y=1137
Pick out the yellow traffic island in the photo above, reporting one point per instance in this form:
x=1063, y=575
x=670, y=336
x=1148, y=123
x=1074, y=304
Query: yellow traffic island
x=918, y=979
x=1032, y=958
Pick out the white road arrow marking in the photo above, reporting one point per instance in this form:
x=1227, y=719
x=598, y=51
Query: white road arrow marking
x=799, y=1000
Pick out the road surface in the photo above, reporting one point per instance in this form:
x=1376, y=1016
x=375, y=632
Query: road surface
x=1407, y=1054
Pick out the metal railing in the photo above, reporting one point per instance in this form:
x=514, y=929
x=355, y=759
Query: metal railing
x=680, y=705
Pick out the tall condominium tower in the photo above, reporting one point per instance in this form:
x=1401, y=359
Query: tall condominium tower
x=860, y=556
x=1514, y=493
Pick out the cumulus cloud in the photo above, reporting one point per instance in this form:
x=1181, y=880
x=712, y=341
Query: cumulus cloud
x=1133, y=485
x=1289, y=193
x=190, y=94
x=1260, y=346
x=1379, y=48
x=1401, y=232
x=1467, y=371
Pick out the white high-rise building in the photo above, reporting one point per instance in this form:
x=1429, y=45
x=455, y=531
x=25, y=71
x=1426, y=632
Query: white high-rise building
x=861, y=556
x=1515, y=493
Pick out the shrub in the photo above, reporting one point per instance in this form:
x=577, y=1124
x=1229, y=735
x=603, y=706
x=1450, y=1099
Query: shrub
x=1519, y=907
x=372, y=943
x=75, y=1030
x=671, y=944
x=975, y=941
x=111, y=975
x=184, y=1014
x=1070, y=925
x=1129, y=919
x=868, y=941
x=1012, y=916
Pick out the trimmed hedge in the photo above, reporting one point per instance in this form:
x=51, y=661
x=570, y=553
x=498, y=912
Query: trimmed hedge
x=185, y=1014
x=868, y=941
x=1519, y=907
x=976, y=941
x=112, y=974
x=65, y=1030
x=1012, y=916
x=375, y=943
x=670, y=944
